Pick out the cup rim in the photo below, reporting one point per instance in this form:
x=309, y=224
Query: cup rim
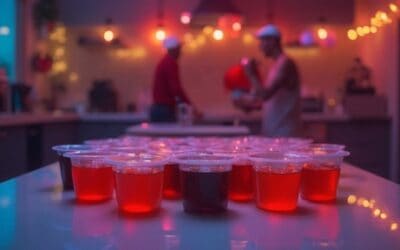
x=203, y=159
x=136, y=161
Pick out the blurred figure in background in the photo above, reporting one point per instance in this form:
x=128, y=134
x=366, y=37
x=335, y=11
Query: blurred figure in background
x=103, y=97
x=167, y=87
x=358, y=78
x=280, y=93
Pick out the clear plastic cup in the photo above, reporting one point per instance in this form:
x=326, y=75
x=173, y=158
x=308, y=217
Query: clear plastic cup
x=92, y=176
x=204, y=182
x=278, y=178
x=241, y=178
x=321, y=175
x=138, y=182
x=65, y=162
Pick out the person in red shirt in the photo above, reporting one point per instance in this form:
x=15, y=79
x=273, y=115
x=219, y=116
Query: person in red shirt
x=167, y=87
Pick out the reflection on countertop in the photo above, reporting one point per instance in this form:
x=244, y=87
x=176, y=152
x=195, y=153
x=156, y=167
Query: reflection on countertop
x=364, y=217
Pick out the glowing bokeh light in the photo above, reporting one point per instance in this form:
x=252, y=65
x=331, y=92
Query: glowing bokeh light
x=108, y=35
x=236, y=26
x=218, y=35
x=208, y=30
x=351, y=199
x=160, y=34
x=377, y=212
x=322, y=33
x=185, y=17
x=393, y=7
x=352, y=34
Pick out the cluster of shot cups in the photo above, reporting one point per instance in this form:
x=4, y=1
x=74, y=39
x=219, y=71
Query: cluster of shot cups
x=204, y=172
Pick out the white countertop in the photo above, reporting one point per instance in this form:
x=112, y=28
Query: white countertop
x=174, y=129
x=36, y=214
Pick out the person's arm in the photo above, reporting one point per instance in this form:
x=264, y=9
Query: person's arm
x=279, y=81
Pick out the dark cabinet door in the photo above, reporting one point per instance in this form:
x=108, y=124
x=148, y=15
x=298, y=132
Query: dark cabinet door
x=13, y=152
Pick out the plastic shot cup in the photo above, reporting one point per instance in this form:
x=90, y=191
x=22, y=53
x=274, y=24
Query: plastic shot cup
x=278, y=178
x=92, y=176
x=204, y=182
x=321, y=175
x=241, y=178
x=138, y=182
x=65, y=162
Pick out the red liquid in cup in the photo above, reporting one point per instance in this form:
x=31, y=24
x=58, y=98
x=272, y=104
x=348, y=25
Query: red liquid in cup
x=93, y=184
x=138, y=192
x=205, y=192
x=277, y=191
x=319, y=183
x=172, y=184
x=241, y=182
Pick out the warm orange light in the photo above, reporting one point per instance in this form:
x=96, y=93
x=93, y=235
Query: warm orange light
x=322, y=33
x=366, y=30
x=375, y=21
x=383, y=216
x=377, y=212
x=236, y=26
x=108, y=35
x=187, y=37
x=208, y=30
x=218, y=35
x=248, y=38
x=373, y=29
x=352, y=34
x=351, y=199
x=186, y=17
x=360, y=31
x=160, y=34
x=393, y=7
x=394, y=226
x=201, y=39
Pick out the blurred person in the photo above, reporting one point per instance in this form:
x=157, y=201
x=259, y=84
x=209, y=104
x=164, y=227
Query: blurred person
x=280, y=93
x=167, y=87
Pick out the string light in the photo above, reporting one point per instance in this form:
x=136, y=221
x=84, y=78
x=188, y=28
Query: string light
x=236, y=26
x=393, y=226
x=160, y=34
x=248, y=38
x=360, y=31
x=186, y=17
x=352, y=34
x=322, y=33
x=108, y=35
x=366, y=30
x=208, y=30
x=393, y=7
x=218, y=35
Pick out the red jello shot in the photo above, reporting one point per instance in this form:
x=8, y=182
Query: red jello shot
x=320, y=176
x=138, y=182
x=204, y=182
x=278, y=177
x=92, y=177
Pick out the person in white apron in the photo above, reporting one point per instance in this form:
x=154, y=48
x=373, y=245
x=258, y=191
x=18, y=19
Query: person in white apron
x=280, y=94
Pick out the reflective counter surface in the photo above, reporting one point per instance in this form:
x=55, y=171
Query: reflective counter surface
x=35, y=213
